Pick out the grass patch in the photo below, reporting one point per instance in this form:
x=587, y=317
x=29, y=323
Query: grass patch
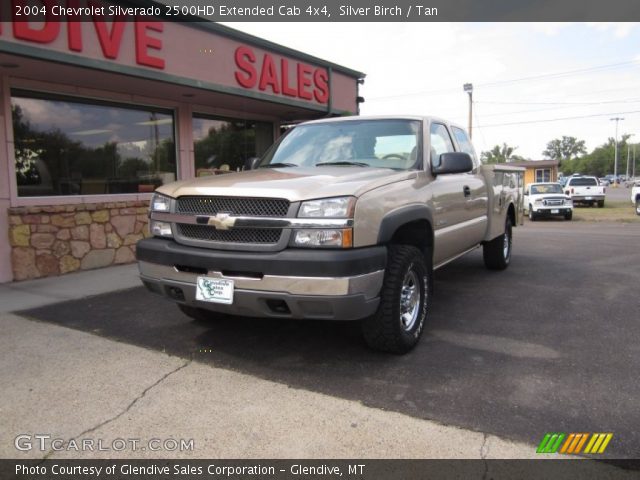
x=611, y=212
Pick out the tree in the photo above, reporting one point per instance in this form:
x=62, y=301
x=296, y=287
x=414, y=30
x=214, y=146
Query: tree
x=565, y=148
x=500, y=154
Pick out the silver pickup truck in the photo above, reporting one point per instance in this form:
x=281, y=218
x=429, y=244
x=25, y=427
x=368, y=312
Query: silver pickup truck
x=341, y=219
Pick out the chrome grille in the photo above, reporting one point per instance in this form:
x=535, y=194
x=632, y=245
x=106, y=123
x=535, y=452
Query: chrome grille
x=554, y=201
x=238, y=235
x=236, y=206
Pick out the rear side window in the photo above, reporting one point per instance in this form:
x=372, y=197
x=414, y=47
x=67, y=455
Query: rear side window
x=465, y=144
x=583, y=182
x=440, y=142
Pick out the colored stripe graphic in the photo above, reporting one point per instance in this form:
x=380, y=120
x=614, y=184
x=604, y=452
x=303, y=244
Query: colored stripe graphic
x=550, y=443
x=574, y=442
x=598, y=442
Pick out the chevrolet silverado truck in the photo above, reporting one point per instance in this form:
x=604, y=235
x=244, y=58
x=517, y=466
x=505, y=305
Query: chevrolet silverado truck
x=341, y=219
x=585, y=190
x=547, y=200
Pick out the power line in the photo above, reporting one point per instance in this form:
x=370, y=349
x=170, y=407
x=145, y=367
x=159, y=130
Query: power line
x=558, y=119
x=561, y=107
x=560, y=103
x=594, y=69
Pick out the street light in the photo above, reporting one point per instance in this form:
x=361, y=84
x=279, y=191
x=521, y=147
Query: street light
x=468, y=87
x=615, y=161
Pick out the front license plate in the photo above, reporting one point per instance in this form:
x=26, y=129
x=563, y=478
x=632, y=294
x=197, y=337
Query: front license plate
x=555, y=210
x=214, y=290
x=588, y=198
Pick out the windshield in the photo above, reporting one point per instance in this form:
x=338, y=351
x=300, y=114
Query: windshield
x=369, y=143
x=553, y=188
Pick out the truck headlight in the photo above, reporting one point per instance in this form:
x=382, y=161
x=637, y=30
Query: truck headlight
x=160, y=203
x=568, y=202
x=337, y=207
x=160, y=229
x=539, y=200
x=314, y=238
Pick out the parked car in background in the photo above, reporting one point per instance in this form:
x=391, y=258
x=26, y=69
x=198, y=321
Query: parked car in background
x=547, y=200
x=585, y=190
x=604, y=182
x=635, y=196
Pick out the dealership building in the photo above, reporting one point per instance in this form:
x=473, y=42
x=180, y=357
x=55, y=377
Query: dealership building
x=96, y=113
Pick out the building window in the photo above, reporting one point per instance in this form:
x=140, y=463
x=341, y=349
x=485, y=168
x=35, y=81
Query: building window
x=543, y=175
x=225, y=145
x=74, y=147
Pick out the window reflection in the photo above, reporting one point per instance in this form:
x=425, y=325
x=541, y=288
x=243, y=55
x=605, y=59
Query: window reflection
x=72, y=147
x=225, y=145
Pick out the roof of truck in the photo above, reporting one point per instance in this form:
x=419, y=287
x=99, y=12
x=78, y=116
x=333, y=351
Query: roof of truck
x=355, y=118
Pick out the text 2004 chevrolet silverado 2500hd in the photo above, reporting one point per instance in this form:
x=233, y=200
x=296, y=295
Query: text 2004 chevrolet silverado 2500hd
x=341, y=219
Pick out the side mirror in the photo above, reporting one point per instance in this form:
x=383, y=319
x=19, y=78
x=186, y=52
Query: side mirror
x=251, y=163
x=453, y=162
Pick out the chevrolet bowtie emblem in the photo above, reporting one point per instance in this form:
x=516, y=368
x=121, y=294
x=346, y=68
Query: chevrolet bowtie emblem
x=222, y=221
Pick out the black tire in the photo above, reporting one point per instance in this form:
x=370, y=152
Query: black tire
x=195, y=313
x=600, y=203
x=568, y=216
x=532, y=216
x=497, y=252
x=638, y=206
x=389, y=329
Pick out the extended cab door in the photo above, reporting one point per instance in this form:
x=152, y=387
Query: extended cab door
x=460, y=200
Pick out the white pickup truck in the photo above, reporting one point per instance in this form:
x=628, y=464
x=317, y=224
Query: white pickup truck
x=586, y=190
x=635, y=196
x=547, y=200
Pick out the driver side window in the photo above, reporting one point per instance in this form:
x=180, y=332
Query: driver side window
x=440, y=142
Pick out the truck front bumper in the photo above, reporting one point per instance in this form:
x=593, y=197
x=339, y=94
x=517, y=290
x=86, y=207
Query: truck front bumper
x=294, y=283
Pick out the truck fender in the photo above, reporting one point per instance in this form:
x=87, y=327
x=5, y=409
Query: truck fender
x=401, y=216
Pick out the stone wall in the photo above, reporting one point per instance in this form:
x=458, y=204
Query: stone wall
x=53, y=240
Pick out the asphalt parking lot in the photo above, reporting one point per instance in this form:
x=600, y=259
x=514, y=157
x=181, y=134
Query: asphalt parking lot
x=550, y=345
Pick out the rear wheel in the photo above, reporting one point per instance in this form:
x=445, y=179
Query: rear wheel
x=497, y=252
x=600, y=203
x=638, y=206
x=404, y=302
x=197, y=314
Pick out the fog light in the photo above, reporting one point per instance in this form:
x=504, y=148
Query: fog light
x=160, y=229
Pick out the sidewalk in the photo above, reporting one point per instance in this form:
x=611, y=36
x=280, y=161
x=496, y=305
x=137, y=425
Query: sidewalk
x=75, y=385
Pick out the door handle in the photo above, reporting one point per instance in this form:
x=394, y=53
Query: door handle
x=467, y=191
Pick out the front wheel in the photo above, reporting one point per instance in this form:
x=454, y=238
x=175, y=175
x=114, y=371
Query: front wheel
x=497, y=252
x=532, y=215
x=404, y=302
x=568, y=216
x=638, y=206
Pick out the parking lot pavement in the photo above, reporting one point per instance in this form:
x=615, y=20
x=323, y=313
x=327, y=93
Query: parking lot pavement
x=550, y=345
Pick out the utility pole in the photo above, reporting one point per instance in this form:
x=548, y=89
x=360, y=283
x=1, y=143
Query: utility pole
x=615, y=160
x=628, y=154
x=634, y=161
x=468, y=87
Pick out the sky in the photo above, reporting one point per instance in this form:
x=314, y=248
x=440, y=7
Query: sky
x=533, y=82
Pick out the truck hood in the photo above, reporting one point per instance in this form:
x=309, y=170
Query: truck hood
x=294, y=184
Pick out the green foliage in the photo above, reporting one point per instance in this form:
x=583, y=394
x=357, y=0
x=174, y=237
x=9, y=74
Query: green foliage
x=600, y=161
x=500, y=154
x=565, y=148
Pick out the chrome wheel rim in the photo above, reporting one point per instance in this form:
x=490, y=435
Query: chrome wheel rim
x=506, y=246
x=409, y=300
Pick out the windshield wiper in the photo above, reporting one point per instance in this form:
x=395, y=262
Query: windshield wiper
x=278, y=165
x=343, y=162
